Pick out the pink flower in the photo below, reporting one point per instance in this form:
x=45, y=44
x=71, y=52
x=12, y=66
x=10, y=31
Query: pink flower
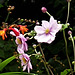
x=46, y=33
x=20, y=40
x=25, y=62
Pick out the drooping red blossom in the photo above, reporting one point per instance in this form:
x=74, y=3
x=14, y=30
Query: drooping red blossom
x=3, y=33
x=23, y=29
x=16, y=32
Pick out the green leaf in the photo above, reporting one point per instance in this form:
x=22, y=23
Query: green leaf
x=5, y=62
x=17, y=73
x=1, y=5
x=65, y=72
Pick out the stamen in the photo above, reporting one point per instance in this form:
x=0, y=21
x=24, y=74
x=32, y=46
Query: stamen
x=47, y=31
x=19, y=41
x=24, y=60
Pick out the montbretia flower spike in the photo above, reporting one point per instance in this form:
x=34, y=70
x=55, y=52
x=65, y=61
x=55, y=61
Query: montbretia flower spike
x=25, y=62
x=23, y=29
x=46, y=33
x=3, y=33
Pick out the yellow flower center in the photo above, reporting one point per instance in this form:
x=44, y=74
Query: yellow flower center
x=24, y=60
x=19, y=41
x=47, y=31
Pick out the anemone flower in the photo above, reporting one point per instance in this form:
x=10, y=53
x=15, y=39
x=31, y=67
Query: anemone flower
x=46, y=33
x=20, y=40
x=3, y=33
x=25, y=62
x=23, y=29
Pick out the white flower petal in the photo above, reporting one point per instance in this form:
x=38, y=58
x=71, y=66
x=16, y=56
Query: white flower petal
x=42, y=38
x=39, y=29
x=12, y=33
x=24, y=68
x=46, y=24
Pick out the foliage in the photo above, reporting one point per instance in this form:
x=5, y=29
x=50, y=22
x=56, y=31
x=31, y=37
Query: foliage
x=55, y=53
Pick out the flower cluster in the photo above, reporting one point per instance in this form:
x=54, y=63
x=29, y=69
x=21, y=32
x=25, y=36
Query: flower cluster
x=43, y=34
x=22, y=47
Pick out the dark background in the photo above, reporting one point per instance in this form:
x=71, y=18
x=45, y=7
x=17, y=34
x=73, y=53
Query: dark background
x=31, y=9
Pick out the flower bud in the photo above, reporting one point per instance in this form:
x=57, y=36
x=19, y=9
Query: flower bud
x=69, y=32
x=68, y=0
x=37, y=23
x=43, y=9
x=27, y=38
x=34, y=45
x=8, y=9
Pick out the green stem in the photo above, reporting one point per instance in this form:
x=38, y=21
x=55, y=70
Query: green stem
x=68, y=12
x=48, y=13
x=67, y=51
x=45, y=61
x=46, y=67
x=73, y=49
x=7, y=16
x=66, y=40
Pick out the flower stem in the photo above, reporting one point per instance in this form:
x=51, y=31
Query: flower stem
x=73, y=49
x=68, y=12
x=67, y=51
x=48, y=13
x=7, y=16
x=66, y=40
x=46, y=66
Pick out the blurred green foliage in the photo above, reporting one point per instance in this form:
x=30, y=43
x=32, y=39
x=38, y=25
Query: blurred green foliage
x=27, y=9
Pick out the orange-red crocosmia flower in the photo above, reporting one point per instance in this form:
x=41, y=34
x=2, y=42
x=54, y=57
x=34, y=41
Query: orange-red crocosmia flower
x=23, y=28
x=3, y=33
x=12, y=26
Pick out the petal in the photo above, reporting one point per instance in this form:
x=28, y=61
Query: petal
x=55, y=27
x=46, y=24
x=39, y=29
x=42, y=38
x=30, y=65
x=24, y=68
x=19, y=49
x=51, y=39
x=12, y=33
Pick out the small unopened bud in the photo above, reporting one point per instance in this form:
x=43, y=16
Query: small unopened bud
x=10, y=12
x=68, y=0
x=19, y=18
x=74, y=37
x=26, y=20
x=37, y=23
x=11, y=39
x=73, y=62
x=69, y=32
x=8, y=9
x=22, y=20
x=59, y=22
x=27, y=38
x=33, y=21
x=18, y=66
x=43, y=9
x=34, y=45
x=68, y=24
x=29, y=20
x=9, y=6
x=12, y=7
x=37, y=71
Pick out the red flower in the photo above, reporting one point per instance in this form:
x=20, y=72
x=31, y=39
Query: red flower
x=3, y=33
x=23, y=28
x=15, y=31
